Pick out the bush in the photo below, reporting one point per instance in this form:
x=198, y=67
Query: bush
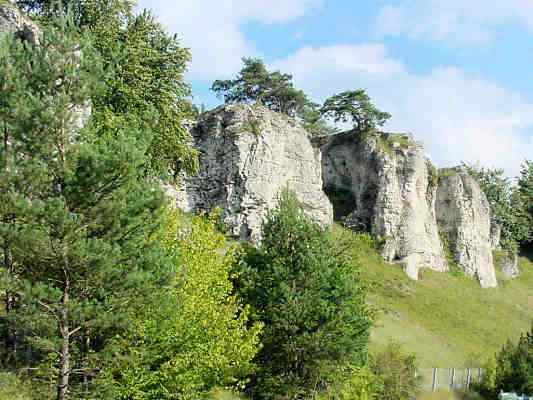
x=397, y=372
x=511, y=370
x=352, y=383
x=11, y=388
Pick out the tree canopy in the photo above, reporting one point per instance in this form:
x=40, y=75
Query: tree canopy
x=146, y=85
x=255, y=83
x=310, y=302
x=507, y=202
x=354, y=106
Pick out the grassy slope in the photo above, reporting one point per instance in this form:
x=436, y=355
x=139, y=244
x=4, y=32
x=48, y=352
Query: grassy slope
x=446, y=320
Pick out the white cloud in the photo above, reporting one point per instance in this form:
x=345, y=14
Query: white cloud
x=212, y=28
x=456, y=116
x=459, y=21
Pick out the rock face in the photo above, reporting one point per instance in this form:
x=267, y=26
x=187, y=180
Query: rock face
x=509, y=265
x=381, y=183
x=384, y=183
x=14, y=22
x=463, y=214
x=248, y=156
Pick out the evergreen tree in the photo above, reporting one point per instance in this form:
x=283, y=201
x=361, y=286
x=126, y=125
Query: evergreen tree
x=354, y=106
x=525, y=190
x=512, y=371
x=76, y=216
x=310, y=302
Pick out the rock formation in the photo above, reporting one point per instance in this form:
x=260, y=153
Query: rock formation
x=248, y=155
x=384, y=183
x=12, y=21
x=509, y=264
x=381, y=182
x=463, y=215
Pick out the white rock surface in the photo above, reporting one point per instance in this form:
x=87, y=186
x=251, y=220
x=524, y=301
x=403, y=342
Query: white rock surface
x=248, y=155
x=390, y=185
x=463, y=214
x=12, y=21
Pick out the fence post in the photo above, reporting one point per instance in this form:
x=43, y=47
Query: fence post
x=453, y=378
x=435, y=383
x=468, y=376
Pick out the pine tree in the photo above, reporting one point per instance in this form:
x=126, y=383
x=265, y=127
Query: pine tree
x=310, y=301
x=76, y=214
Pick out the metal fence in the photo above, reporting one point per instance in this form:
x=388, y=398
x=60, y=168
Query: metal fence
x=513, y=396
x=434, y=379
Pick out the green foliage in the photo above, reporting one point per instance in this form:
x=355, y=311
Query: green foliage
x=354, y=106
x=76, y=213
x=310, y=301
x=194, y=336
x=352, y=383
x=274, y=90
x=512, y=370
x=525, y=196
x=455, y=270
x=388, y=142
x=146, y=86
x=255, y=83
x=433, y=175
x=397, y=372
x=507, y=204
x=312, y=121
x=11, y=388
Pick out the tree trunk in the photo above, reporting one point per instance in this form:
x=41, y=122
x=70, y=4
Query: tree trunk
x=64, y=353
x=10, y=338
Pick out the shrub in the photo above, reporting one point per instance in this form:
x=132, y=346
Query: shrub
x=397, y=372
x=11, y=388
x=511, y=370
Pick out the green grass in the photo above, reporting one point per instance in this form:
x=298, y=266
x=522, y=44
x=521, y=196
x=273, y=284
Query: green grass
x=447, y=320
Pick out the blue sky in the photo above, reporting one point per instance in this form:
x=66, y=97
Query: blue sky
x=457, y=74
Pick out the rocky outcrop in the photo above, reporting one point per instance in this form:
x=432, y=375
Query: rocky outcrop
x=507, y=260
x=463, y=215
x=12, y=21
x=384, y=183
x=248, y=156
x=380, y=182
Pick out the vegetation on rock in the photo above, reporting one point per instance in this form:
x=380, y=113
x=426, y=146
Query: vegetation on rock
x=355, y=107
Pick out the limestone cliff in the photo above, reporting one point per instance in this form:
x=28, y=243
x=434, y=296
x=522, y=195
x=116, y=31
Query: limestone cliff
x=463, y=214
x=384, y=183
x=248, y=155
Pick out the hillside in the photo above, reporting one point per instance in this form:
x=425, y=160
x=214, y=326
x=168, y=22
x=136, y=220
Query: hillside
x=447, y=320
